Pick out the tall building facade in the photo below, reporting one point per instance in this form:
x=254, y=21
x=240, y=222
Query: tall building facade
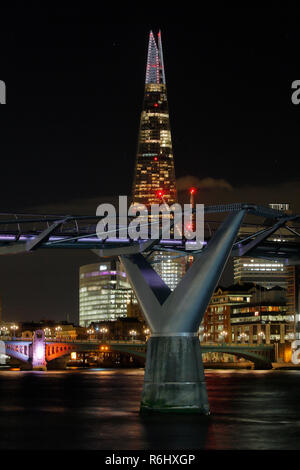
x=267, y=273
x=247, y=313
x=154, y=168
x=293, y=299
x=104, y=292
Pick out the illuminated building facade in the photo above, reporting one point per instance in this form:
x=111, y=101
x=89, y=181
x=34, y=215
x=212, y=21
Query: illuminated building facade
x=247, y=313
x=154, y=169
x=104, y=292
x=293, y=299
x=267, y=273
x=170, y=268
x=216, y=323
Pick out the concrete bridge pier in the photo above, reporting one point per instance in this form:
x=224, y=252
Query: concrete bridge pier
x=174, y=377
x=38, y=351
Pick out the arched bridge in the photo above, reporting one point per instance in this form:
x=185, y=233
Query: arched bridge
x=261, y=355
x=39, y=351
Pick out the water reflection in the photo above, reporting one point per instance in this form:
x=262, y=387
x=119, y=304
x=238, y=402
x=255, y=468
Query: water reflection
x=99, y=409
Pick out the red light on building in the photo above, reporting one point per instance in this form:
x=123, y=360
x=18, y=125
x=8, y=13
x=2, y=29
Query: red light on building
x=192, y=191
x=155, y=105
x=155, y=159
x=159, y=193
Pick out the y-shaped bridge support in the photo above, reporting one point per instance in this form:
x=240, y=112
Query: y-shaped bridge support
x=174, y=377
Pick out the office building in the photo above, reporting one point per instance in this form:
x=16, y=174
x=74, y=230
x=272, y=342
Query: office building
x=154, y=168
x=267, y=273
x=104, y=292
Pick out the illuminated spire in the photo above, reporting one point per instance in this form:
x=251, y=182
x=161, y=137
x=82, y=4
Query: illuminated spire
x=155, y=63
x=154, y=169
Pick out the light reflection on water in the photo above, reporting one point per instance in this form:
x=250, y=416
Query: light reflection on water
x=99, y=409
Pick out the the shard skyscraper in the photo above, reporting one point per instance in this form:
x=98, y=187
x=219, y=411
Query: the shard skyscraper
x=154, y=169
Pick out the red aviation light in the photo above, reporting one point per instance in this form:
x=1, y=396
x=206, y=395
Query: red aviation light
x=155, y=105
x=155, y=159
x=160, y=193
x=192, y=191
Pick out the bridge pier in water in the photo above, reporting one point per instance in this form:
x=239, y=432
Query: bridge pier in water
x=38, y=357
x=174, y=376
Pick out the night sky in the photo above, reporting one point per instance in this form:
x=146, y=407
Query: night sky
x=69, y=129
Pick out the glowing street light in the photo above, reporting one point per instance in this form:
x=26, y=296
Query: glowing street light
x=90, y=332
x=223, y=335
x=206, y=336
x=261, y=335
x=58, y=329
x=244, y=337
x=4, y=329
x=147, y=333
x=103, y=331
x=133, y=333
x=14, y=328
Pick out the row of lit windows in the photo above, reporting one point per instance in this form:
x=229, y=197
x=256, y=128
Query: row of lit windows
x=263, y=318
x=269, y=308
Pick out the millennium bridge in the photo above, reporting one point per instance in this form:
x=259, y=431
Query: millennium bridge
x=174, y=378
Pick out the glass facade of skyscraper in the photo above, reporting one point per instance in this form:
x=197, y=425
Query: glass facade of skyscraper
x=154, y=169
x=104, y=292
x=267, y=273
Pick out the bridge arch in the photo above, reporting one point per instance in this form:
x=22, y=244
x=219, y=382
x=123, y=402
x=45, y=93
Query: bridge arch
x=261, y=359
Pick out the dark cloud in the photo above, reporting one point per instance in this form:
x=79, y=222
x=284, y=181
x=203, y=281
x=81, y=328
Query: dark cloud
x=186, y=182
x=221, y=192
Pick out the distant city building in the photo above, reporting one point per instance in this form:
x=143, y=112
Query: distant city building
x=267, y=273
x=170, y=267
x=124, y=328
x=51, y=328
x=280, y=206
x=248, y=313
x=216, y=323
x=104, y=292
x=293, y=299
x=154, y=168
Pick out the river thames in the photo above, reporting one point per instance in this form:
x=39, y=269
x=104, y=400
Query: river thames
x=99, y=409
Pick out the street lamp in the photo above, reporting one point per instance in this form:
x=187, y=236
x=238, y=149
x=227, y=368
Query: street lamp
x=133, y=333
x=206, y=336
x=262, y=335
x=47, y=331
x=103, y=331
x=90, y=332
x=223, y=335
x=58, y=329
x=4, y=330
x=14, y=328
x=244, y=337
x=147, y=333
